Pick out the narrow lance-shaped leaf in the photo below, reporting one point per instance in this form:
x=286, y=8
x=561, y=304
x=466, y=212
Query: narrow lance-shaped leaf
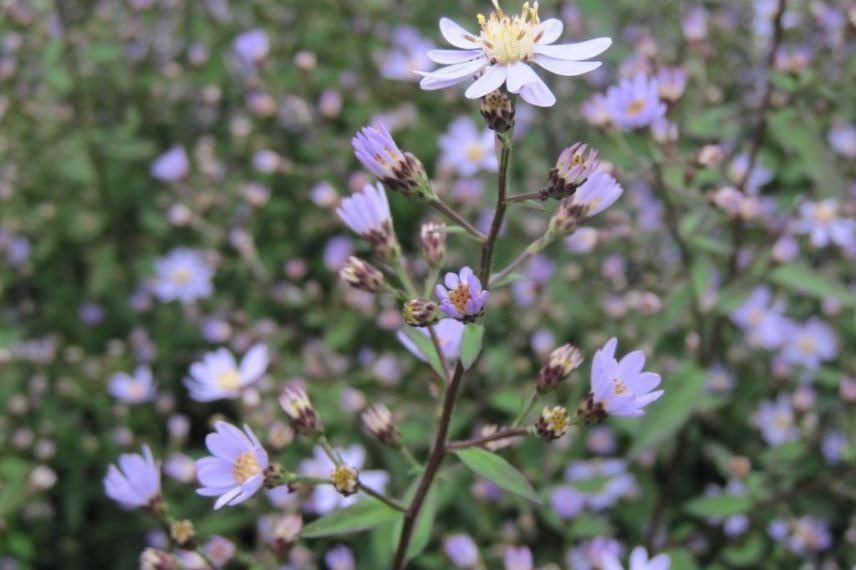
x=471, y=344
x=366, y=514
x=499, y=471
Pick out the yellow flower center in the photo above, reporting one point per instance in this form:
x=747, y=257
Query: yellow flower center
x=508, y=39
x=557, y=419
x=806, y=345
x=618, y=386
x=635, y=107
x=136, y=390
x=246, y=466
x=755, y=316
x=229, y=380
x=825, y=214
x=181, y=276
x=782, y=420
x=459, y=297
x=475, y=152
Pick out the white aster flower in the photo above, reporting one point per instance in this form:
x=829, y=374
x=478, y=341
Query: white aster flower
x=503, y=51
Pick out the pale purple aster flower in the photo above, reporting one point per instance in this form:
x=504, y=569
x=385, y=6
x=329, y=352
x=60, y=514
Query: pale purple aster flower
x=542, y=341
x=583, y=240
x=595, y=111
x=635, y=103
x=639, y=561
x=761, y=317
x=340, y=558
x=182, y=275
x=777, y=421
x=600, y=440
x=172, y=166
x=720, y=379
x=367, y=214
x=218, y=376
x=778, y=529
x=402, y=172
x=822, y=222
x=622, y=388
x=504, y=49
x=136, y=482
x=236, y=469
x=597, y=193
x=694, y=24
x=180, y=467
x=466, y=149
x=219, y=550
x=464, y=299
x=834, y=447
x=252, y=46
x=337, y=252
x=803, y=536
x=786, y=248
x=461, y=550
x=810, y=344
x=325, y=498
x=407, y=55
x=135, y=389
x=671, y=82
x=754, y=180
x=842, y=139
x=590, y=555
x=518, y=558
x=567, y=502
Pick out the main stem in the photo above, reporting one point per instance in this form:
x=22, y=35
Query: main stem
x=439, y=447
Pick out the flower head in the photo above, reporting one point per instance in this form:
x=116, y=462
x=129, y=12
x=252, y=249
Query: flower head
x=401, y=171
x=518, y=558
x=464, y=299
x=810, y=344
x=552, y=423
x=823, y=223
x=367, y=214
x=639, y=561
x=620, y=388
x=420, y=313
x=344, y=479
x=461, y=550
x=377, y=419
x=217, y=376
x=136, y=482
x=183, y=275
x=236, y=470
x=362, y=275
x=635, y=103
x=467, y=150
x=595, y=195
x=777, y=421
x=502, y=53
x=172, y=166
x=559, y=366
x=325, y=498
x=134, y=389
x=433, y=241
x=296, y=404
x=574, y=166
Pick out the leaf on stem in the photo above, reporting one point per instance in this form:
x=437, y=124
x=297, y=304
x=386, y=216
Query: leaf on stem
x=366, y=514
x=471, y=344
x=498, y=471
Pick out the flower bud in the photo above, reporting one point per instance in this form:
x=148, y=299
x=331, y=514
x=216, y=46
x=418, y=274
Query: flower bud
x=362, y=275
x=575, y=164
x=553, y=422
x=434, y=243
x=559, y=366
x=275, y=476
x=344, y=479
x=296, y=404
x=378, y=421
x=420, y=313
x=591, y=412
x=154, y=559
x=183, y=533
x=400, y=171
x=498, y=111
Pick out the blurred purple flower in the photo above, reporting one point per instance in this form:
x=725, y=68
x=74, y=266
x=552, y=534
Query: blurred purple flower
x=217, y=376
x=236, y=469
x=182, y=275
x=622, y=388
x=821, y=220
x=466, y=149
x=777, y=421
x=340, y=558
x=810, y=344
x=634, y=103
x=138, y=482
x=172, y=166
x=518, y=558
x=135, y=389
x=461, y=550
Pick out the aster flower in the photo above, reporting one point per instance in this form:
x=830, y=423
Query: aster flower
x=518, y=558
x=406, y=56
x=671, y=82
x=502, y=53
x=252, y=47
x=136, y=482
x=810, y=344
x=596, y=194
x=464, y=299
x=135, y=389
x=236, y=470
x=822, y=222
x=467, y=150
x=574, y=166
x=761, y=317
x=340, y=558
x=325, y=498
x=218, y=376
x=567, y=502
x=635, y=103
x=777, y=421
x=842, y=139
x=401, y=171
x=172, y=166
x=461, y=550
x=367, y=214
x=752, y=181
x=182, y=275
x=639, y=561
x=621, y=388
x=591, y=554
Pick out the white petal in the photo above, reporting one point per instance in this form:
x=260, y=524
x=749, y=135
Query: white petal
x=565, y=67
x=432, y=84
x=458, y=70
x=519, y=74
x=538, y=93
x=457, y=36
x=550, y=30
x=493, y=78
x=450, y=56
x=577, y=51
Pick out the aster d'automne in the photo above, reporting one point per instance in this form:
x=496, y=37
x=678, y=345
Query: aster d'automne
x=502, y=53
x=235, y=471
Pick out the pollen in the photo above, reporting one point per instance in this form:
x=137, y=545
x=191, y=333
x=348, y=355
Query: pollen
x=618, y=386
x=475, y=152
x=459, y=297
x=635, y=107
x=508, y=39
x=181, y=276
x=229, y=380
x=246, y=467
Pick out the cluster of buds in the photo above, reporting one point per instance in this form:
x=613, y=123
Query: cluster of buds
x=296, y=404
x=362, y=275
x=344, y=479
x=420, y=313
x=552, y=423
x=433, y=243
x=559, y=366
x=377, y=420
x=498, y=111
x=574, y=166
x=400, y=171
x=183, y=534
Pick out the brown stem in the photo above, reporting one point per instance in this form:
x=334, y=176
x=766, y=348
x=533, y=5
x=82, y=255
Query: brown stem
x=499, y=215
x=453, y=215
x=439, y=348
x=525, y=197
x=480, y=441
x=381, y=497
x=524, y=256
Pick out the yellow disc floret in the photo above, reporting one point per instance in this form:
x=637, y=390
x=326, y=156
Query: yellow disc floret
x=506, y=39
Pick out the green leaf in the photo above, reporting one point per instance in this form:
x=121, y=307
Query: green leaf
x=718, y=506
x=424, y=522
x=366, y=514
x=499, y=471
x=801, y=278
x=426, y=347
x=471, y=344
x=748, y=553
x=665, y=417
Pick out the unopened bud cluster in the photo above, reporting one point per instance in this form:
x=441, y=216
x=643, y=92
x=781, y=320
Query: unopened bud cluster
x=297, y=406
x=559, y=366
x=344, y=479
x=378, y=421
x=498, y=111
x=420, y=313
x=362, y=275
x=553, y=422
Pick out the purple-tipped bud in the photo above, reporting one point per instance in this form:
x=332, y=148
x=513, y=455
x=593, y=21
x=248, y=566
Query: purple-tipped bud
x=154, y=559
x=574, y=166
x=595, y=195
x=400, y=171
x=498, y=111
x=433, y=243
x=420, y=313
x=378, y=421
x=344, y=479
x=367, y=214
x=558, y=368
x=296, y=404
x=553, y=422
x=362, y=275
